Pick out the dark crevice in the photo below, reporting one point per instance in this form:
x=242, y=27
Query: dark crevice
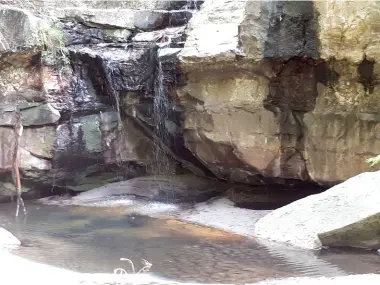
x=270, y=197
x=326, y=74
x=367, y=76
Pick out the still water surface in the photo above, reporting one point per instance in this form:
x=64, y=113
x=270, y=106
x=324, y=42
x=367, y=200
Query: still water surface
x=91, y=240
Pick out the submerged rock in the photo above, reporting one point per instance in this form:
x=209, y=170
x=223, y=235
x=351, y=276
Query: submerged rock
x=178, y=188
x=341, y=209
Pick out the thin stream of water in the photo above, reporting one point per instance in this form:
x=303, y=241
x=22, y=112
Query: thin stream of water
x=191, y=5
x=161, y=110
x=109, y=69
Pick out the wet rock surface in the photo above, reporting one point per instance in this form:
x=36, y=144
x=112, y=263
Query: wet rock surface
x=178, y=188
x=84, y=140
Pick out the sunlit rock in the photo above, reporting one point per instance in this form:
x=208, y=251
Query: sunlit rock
x=337, y=215
x=264, y=99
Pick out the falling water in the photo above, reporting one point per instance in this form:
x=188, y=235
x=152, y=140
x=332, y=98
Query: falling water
x=191, y=5
x=109, y=68
x=161, y=109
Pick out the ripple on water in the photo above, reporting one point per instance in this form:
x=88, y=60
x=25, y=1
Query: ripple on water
x=93, y=239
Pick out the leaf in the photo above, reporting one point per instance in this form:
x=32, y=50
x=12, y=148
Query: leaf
x=373, y=160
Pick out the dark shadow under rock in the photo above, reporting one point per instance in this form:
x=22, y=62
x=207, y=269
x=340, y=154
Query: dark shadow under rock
x=269, y=197
x=176, y=188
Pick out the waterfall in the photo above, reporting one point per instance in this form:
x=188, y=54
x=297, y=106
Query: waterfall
x=161, y=110
x=161, y=107
x=191, y=5
x=109, y=69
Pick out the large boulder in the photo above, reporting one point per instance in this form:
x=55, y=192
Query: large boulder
x=341, y=211
x=35, y=152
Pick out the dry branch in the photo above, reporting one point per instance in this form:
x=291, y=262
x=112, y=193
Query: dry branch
x=18, y=128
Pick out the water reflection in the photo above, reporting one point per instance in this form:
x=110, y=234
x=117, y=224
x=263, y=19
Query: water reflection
x=94, y=239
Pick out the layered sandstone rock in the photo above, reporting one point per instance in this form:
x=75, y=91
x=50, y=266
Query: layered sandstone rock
x=258, y=92
x=73, y=137
x=282, y=89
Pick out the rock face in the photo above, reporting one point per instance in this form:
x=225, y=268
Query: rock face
x=272, y=90
x=336, y=215
x=75, y=135
x=256, y=92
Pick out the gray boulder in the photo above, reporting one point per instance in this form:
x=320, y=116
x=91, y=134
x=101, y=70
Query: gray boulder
x=177, y=188
x=299, y=223
x=362, y=234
